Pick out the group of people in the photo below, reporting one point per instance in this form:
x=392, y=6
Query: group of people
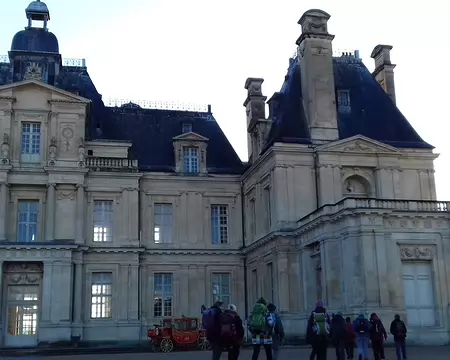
x=345, y=334
x=225, y=330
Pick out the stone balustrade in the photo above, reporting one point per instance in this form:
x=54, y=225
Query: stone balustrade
x=377, y=204
x=111, y=164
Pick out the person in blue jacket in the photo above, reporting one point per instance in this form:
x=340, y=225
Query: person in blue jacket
x=362, y=332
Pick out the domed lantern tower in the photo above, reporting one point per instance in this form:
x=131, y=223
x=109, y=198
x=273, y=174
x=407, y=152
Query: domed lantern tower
x=35, y=51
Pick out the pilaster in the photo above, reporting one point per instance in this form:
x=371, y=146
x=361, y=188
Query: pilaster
x=283, y=281
x=47, y=292
x=4, y=199
x=50, y=213
x=80, y=215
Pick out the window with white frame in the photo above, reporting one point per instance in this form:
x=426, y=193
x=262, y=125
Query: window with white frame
x=268, y=207
x=163, y=294
x=103, y=220
x=190, y=156
x=252, y=217
x=31, y=142
x=221, y=287
x=27, y=220
x=163, y=217
x=101, y=295
x=219, y=224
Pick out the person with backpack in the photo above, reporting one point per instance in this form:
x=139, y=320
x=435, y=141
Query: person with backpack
x=318, y=331
x=278, y=332
x=261, y=324
x=377, y=337
x=362, y=331
x=351, y=339
x=232, y=332
x=339, y=335
x=398, y=330
x=211, y=324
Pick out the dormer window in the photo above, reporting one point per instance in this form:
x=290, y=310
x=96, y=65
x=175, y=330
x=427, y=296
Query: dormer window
x=343, y=100
x=190, y=156
x=190, y=153
x=186, y=128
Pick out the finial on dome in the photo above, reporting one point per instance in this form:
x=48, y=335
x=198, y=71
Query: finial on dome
x=38, y=11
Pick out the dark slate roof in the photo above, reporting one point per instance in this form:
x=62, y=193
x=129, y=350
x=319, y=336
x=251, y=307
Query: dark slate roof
x=35, y=40
x=151, y=131
x=372, y=114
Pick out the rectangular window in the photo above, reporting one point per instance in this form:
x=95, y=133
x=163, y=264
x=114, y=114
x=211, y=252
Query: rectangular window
x=252, y=218
x=343, y=100
x=219, y=224
x=101, y=295
x=163, y=215
x=31, y=142
x=186, y=128
x=103, y=220
x=27, y=220
x=190, y=155
x=271, y=281
x=221, y=287
x=163, y=294
x=255, y=284
x=268, y=208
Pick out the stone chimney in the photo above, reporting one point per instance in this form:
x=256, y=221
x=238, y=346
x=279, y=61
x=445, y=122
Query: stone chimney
x=255, y=106
x=384, y=69
x=316, y=63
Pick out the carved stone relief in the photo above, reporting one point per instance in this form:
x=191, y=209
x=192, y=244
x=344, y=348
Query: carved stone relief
x=23, y=273
x=67, y=134
x=416, y=253
x=358, y=147
x=69, y=195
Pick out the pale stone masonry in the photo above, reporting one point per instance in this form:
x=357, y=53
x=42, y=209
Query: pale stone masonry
x=98, y=244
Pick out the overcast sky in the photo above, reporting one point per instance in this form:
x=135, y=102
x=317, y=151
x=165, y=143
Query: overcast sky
x=201, y=51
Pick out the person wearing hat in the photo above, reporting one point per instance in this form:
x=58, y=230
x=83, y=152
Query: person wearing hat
x=278, y=331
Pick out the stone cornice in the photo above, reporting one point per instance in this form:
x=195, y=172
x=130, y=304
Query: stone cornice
x=205, y=252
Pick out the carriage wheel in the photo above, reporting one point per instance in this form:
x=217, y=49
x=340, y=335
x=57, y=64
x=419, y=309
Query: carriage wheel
x=154, y=347
x=166, y=345
x=203, y=343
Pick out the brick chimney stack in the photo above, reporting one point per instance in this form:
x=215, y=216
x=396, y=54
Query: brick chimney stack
x=384, y=69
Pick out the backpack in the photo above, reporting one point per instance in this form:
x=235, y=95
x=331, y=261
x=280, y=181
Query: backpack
x=401, y=329
x=320, y=324
x=208, y=318
x=228, y=331
x=258, y=320
x=362, y=326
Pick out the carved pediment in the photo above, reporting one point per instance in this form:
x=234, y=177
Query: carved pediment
x=416, y=252
x=58, y=95
x=359, y=144
x=190, y=137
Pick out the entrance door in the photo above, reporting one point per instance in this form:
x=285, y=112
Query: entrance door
x=22, y=315
x=419, y=293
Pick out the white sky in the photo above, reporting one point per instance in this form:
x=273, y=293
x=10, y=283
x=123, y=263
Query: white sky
x=201, y=51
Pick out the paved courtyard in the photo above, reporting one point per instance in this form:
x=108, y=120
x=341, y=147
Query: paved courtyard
x=415, y=353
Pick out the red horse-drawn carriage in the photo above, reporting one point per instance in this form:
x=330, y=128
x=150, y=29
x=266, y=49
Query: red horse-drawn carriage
x=182, y=332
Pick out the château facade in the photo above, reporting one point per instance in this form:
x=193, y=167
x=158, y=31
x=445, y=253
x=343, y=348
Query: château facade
x=112, y=218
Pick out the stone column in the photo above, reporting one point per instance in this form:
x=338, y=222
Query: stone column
x=4, y=198
x=47, y=292
x=80, y=215
x=283, y=281
x=50, y=213
x=78, y=293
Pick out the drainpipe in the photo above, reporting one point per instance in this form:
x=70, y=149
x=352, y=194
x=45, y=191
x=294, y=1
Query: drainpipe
x=243, y=247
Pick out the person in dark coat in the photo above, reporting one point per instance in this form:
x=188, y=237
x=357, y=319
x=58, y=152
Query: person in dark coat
x=319, y=343
x=339, y=335
x=213, y=334
x=351, y=339
x=398, y=330
x=234, y=345
x=377, y=336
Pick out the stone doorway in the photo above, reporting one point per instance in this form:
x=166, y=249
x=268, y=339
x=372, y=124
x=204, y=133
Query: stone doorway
x=22, y=292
